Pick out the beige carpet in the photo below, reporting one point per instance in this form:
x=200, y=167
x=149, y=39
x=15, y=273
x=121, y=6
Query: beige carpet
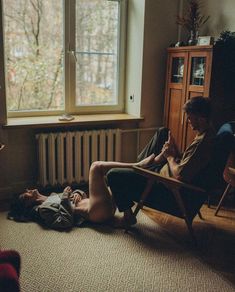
x=99, y=259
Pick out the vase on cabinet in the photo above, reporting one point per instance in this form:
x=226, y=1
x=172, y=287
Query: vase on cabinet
x=193, y=38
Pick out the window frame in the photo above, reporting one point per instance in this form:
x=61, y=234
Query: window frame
x=69, y=32
x=3, y=106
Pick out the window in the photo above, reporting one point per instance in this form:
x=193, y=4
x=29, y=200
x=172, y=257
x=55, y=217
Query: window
x=63, y=56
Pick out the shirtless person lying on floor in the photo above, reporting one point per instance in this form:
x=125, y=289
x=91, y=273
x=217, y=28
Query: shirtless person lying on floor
x=71, y=208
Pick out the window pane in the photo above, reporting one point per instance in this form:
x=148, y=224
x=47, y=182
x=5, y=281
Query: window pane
x=97, y=29
x=34, y=54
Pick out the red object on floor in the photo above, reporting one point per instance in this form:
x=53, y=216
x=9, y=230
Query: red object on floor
x=9, y=271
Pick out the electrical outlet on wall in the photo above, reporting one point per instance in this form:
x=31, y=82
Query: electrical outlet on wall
x=132, y=97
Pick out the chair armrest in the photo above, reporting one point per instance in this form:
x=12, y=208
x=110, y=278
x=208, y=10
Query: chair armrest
x=168, y=181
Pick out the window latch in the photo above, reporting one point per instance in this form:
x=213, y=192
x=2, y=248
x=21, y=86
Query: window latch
x=73, y=53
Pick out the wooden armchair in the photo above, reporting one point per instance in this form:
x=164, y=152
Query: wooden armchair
x=190, y=198
x=229, y=177
x=176, y=187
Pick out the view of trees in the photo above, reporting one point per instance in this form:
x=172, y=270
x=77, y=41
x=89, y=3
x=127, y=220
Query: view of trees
x=96, y=43
x=34, y=53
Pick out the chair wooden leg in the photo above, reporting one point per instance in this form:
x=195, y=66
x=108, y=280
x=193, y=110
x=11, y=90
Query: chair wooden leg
x=140, y=204
x=185, y=215
x=138, y=207
x=190, y=230
x=143, y=196
x=222, y=198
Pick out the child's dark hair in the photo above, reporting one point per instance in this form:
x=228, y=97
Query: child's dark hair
x=199, y=106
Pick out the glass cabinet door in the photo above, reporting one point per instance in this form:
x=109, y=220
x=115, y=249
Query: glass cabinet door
x=198, y=71
x=177, y=71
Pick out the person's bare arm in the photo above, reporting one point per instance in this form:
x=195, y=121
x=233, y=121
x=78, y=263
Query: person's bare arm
x=174, y=167
x=171, y=153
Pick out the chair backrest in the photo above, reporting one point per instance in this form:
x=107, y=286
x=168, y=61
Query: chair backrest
x=228, y=176
x=212, y=176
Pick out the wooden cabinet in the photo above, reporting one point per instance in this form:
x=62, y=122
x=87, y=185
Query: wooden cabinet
x=188, y=75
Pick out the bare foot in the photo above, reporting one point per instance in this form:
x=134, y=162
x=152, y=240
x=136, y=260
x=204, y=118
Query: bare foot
x=148, y=161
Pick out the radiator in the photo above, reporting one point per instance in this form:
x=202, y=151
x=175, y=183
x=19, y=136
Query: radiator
x=65, y=157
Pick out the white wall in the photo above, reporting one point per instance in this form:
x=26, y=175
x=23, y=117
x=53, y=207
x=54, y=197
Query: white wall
x=222, y=16
x=134, y=55
x=160, y=31
x=151, y=29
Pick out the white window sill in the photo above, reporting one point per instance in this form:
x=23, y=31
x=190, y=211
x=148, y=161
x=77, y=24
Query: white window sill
x=79, y=120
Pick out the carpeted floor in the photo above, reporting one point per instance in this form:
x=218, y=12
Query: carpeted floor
x=98, y=258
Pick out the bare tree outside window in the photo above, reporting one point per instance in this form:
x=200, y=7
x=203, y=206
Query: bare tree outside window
x=36, y=59
x=33, y=54
x=97, y=49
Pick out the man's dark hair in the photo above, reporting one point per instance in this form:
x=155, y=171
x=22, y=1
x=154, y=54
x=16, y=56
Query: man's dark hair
x=199, y=106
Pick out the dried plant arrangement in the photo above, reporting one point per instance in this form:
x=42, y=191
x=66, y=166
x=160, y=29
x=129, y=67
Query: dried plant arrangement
x=193, y=19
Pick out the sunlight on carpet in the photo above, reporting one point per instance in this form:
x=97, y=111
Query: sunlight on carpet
x=99, y=258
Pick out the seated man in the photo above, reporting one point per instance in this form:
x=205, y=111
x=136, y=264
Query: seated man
x=127, y=186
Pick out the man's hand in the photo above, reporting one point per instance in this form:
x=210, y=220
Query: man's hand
x=169, y=149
